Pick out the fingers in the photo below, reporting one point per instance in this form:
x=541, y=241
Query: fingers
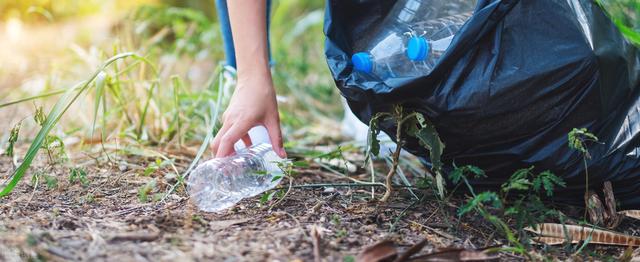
x=275, y=136
x=215, y=144
x=236, y=132
x=246, y=139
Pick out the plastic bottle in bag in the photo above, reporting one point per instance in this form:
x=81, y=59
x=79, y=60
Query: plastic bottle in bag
x=384, y=56
x=405, y=34
x=431, y=39
x=220, y=183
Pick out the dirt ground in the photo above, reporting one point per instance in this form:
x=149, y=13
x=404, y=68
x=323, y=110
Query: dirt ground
x=105, y=220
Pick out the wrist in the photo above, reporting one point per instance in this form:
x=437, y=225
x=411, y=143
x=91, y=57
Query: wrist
x=256, y=81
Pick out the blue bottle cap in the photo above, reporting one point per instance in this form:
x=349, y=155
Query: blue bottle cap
x=362, y=62
x=418, y=48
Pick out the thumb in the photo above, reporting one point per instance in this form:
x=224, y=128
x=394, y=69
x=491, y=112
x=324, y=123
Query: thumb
x=275, y=136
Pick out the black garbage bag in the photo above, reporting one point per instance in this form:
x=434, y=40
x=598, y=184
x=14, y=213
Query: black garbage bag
x=517, y=78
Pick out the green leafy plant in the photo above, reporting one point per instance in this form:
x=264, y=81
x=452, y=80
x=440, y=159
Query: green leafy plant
x=520, y=200
x=145, y=191
x=78, y=175
x=154, y=166
x=51, y=181
x=52, y=144
x=415, y=125
x=578, y=140
x=13, y=138
x=288, y=171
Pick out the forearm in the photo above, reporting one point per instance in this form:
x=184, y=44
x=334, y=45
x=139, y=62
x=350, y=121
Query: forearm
x=248, y=25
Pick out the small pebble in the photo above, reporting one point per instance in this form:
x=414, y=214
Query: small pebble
x=171, y=178
x=123, y=167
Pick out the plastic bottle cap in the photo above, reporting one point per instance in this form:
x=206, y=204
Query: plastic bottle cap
x=362, y=62
x=418, y=48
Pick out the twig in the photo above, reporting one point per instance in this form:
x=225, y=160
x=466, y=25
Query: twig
x=59, y=253
x=315, y=239
x=348, y=185
x=338, y=174
x=35, y=187
x=438, y=232
x=135, y=236
x=396, y=156
x=373, y=179
x=285, y=194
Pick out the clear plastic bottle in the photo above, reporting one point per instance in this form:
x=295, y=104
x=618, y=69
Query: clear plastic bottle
x=411, y=35
x=220, y=183
x=431, y=39
x=384, y=56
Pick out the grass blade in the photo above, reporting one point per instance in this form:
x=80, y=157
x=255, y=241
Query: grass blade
x=215, y=111
x=52, y=119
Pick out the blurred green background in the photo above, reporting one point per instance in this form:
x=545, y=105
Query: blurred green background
x=52, y=45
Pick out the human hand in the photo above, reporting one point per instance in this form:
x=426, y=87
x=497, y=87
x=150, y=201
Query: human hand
x=253, y=103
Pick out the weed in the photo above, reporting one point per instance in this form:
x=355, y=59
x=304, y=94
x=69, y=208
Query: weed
x=13, y=138
x=78, y=175
x=145, y=191
x=520, y=200
x=154, y=166
x=51, y=181
x=578, y=140
x=335, y=220
x=268, y=196
x=415, y=125
x=88, y=198
x=341, y=233
x=287, y=168
x=53, y=145
x=43, y=139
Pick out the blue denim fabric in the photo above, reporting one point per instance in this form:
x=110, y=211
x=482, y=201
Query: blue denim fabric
x=227, y=37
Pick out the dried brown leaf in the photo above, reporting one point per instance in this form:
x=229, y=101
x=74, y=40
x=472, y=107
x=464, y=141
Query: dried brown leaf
x=412, y=251
x=381, y=251
x=316, y=237
x=635, y=214
x=552, y=241
x=222, y=224
x=582, y=233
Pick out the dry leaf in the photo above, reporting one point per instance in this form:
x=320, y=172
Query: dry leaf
x=635, y=214
x=316, y=236
x=222, y=224
x=552, y=241
x=581, y=233
x=457, y=254
x=381, y=251
x=412, y=251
